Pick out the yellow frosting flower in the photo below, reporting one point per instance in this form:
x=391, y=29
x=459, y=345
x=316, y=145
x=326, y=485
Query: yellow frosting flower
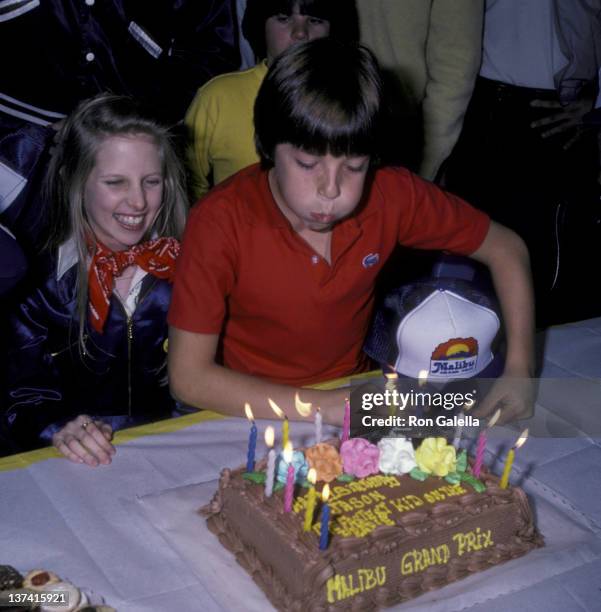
x=435, y=456
x=326, y=461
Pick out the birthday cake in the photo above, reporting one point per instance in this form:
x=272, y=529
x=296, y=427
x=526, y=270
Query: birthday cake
x=390, y=535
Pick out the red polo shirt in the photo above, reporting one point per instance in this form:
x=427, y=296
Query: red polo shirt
x=283, y=312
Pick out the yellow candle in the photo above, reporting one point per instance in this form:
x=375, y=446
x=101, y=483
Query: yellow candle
x=280, y=414
x=510, y=457
x=507, y=470
x=311, y=499
x=285, y=427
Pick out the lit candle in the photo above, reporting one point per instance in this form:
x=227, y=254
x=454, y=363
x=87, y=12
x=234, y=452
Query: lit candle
x=510, y=457
x=285, y=431
x=311, y=497
x=346, y=424
x=482, y=439
x=289, y=490
x=285, y=427
x=318, y=426
x=252, y=439
x=269, y=477
x=325, y=519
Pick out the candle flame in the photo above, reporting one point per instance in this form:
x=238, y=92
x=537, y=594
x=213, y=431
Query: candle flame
x=278, y=411
x=495, y=417
x=469, y=404
x=325, y=494
x=249, y=412
x=288, y=450
x=391, y=376
x=303, y=408
x=422, y=377
x=521, y=440
x=269, y=436
x=312, y=476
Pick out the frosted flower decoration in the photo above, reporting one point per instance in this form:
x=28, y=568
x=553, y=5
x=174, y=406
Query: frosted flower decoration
x=301, y=469
x=360, y=458
x=435, y=456
x=397, y=456
x=326, y=461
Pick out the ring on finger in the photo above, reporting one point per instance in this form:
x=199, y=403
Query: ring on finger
x=86, y=424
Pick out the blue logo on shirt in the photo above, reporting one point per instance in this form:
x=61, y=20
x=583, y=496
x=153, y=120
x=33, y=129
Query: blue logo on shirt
x=371, y=260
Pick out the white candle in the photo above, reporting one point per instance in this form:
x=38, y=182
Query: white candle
x=458, y=432
x=318, y=426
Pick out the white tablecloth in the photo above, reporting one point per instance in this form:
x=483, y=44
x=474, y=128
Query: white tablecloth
x=129, y=531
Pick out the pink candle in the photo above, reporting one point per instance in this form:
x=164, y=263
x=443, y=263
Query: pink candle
x=346, y=424
x=482, y=439
x=479, y=453
x=289, y=491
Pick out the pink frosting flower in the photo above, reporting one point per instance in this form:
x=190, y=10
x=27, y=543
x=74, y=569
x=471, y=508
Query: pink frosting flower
x=360, y=457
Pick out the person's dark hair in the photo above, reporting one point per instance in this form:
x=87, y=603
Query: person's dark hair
x=322, y=96
x=342, y=15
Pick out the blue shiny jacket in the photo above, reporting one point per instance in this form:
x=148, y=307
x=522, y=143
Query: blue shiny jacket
x=120, y=378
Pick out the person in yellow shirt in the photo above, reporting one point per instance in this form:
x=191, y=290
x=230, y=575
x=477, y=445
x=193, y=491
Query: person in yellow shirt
x=220, y=118
x=430, y=53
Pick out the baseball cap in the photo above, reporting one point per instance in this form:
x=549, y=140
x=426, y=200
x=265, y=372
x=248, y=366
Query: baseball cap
x=438, y=329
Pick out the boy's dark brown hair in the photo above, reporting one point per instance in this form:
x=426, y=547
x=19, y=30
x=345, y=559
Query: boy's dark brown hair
x=322, y=96
x=342, y=15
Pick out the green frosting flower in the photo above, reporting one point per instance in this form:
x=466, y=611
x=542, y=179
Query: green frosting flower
x=435, y=456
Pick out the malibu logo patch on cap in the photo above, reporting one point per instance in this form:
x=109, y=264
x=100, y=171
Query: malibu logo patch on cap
x=455, y=357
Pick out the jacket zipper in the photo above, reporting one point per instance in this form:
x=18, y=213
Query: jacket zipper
x=130, y=340
x=130, y=337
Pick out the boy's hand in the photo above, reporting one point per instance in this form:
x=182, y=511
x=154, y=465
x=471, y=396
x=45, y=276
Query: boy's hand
x=513, y=395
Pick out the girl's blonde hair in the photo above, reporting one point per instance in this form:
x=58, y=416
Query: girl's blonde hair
x=78, y=141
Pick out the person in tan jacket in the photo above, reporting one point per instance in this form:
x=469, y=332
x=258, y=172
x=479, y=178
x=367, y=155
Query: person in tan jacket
x=430, y=50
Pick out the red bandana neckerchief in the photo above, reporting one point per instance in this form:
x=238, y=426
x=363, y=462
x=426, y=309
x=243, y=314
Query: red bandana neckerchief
x=157, y=257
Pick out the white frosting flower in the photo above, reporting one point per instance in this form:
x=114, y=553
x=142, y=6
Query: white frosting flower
x=396, y=456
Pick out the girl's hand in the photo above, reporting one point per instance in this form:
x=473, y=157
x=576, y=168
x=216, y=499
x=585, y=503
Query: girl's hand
x=84, y=440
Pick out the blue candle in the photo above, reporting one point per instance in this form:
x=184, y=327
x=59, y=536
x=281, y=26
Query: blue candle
x=252, y=443
x=252, y=440
x=325, y=519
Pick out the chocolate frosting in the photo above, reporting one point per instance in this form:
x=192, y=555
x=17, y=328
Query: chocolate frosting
x=452, y=533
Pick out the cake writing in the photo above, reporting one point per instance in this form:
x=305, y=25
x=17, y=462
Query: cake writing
x=358, y=515
x=419, y=559
x=378, y=481
x=342, y=586
x=473, y=540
